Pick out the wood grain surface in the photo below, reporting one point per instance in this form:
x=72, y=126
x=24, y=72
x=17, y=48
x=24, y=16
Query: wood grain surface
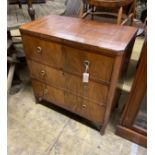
x=94, y=34
x=58, y=49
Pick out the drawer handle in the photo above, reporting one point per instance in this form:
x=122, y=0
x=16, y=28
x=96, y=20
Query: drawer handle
x=83, y=106
x=85, y=75
x=39, y=50
x=43, y=73
x=86, y=64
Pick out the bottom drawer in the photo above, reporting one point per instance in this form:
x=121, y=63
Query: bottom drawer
x=90, y=111
x=51, y=94
x=73, y=103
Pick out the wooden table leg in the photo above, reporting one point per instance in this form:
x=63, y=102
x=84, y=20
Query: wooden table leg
x=19, y=3
x=31, y=11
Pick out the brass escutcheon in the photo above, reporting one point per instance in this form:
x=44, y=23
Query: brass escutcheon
x=84, y=106
x=39, y=50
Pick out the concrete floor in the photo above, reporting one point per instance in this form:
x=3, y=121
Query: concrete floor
x=35, y=129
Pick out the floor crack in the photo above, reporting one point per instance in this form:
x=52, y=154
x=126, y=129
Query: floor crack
x=50, y=148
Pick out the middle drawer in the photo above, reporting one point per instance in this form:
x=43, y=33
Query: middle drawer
x=84, y=108
x=93, y=91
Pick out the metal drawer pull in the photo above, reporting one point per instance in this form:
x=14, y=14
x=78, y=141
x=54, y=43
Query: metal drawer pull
x=86, y=63
x=85, y=75
x=83, y=106
x=43, y=73
x=39, y=50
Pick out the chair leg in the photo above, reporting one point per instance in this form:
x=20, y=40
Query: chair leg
x=8, y=34
x=11, y=74
x=129, y=18
x=131, y=13
x=19, y=3
x=81, y=9
x=119, y=16
x=85, y=10
x=93, y=10
x=132, y=9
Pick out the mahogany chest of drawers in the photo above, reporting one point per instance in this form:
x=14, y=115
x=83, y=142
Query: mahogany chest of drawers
x=76, y=64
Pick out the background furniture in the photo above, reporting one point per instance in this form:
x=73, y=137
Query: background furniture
x=12, y=61
x=20, y=14
x=61, y=56
x=19, y=2
x=34, y=1
x=13, y=54
x=133, y=122
x=122, y=10
x=17, y=16
x=25, y=1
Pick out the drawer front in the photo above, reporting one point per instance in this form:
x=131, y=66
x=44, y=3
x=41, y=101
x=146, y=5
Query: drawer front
x=36, y=70
x=38, y=88
x=92, y=91
x=67, y=58
x=86, y=108
x=100, y=66
x=46, y=74
x=43, y=51
x=69, y=101
x=51, y=94
x=91, y=111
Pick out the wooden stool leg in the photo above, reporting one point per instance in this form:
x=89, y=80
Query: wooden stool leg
x=120, y=14
x=93, y=10
x=81, y=9
x=84, y=9
x=131, y=16
x=131, y=13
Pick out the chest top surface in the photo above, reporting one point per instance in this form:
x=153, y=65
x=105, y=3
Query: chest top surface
x=85, y=32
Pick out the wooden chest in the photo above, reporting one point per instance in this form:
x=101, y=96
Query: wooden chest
x=62, y=52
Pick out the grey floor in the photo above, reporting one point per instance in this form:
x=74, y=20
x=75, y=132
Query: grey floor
x=35, y=129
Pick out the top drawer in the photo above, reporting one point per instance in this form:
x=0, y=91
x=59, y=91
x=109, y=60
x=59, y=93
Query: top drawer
x=79, y=61
x=43, y=51
x=69, y=59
